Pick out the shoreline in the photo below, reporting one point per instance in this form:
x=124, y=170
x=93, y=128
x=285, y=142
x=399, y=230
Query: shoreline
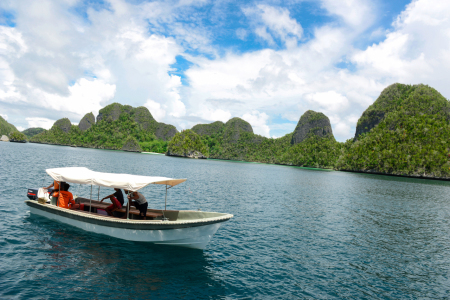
x=256, y=162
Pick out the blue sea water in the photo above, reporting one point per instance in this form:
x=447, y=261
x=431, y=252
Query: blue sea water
x=296, y=233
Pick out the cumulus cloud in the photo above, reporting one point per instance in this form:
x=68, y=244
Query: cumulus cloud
x=40, y=122
x=63, y=62
x=258, y=121
x=274, y=22
x=156, y=109
x=4, y=116
x=70, y=64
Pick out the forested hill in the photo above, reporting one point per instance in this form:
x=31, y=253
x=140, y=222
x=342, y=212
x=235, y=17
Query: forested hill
x=311, y=144
x=5, y=127
x=406, y=131
x=117, y=127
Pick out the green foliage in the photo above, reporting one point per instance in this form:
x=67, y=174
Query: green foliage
x=412, y=139
x=208, y=129
x=5, y=127
x=158, y=146
x=106, y=134
x=314, y=151
x=30, y=132
x=185, y=143
x=17, y=136
x=131, y=144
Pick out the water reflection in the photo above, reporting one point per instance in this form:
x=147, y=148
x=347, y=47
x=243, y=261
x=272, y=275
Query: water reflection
x=120, y=269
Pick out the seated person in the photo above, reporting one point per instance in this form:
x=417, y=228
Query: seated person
x=55, y=192
x=65, y=199
x=140, y=203
x=117, y=201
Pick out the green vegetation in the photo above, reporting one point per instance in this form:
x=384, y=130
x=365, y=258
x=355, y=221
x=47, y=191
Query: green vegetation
x=314, y=151
x=106, y=134
x=412, y=137
x=5, y=127
x=406, y=131
x=17, y=136
x=30, y=132
x=187, y=144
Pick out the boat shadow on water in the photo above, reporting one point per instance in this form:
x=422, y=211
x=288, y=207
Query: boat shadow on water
x=98, y=266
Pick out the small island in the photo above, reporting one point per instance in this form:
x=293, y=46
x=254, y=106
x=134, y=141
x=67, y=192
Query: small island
x=405, y=132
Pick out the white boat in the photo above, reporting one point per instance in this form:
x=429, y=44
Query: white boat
x=186, y=228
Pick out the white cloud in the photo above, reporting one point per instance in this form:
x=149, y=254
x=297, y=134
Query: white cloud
x=4, y=116
x=70, y=65
x=155, y=109
x=40, y=122
x=274, y=22
x=258, y=121
x=330, y=101
x=357, y=13
x=417, y=50
x=55, y=59
x=20, y=128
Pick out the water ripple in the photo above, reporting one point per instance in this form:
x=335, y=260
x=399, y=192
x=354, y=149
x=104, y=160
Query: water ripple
x=296, y=233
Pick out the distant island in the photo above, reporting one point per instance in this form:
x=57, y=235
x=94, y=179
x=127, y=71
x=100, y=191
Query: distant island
x=404, y=132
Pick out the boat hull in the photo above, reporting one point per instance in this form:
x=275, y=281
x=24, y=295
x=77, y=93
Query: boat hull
x=185, y=234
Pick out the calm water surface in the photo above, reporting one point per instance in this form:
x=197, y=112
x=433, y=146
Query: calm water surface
x=296, y=233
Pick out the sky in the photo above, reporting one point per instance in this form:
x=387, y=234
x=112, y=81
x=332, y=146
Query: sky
x=192, y=62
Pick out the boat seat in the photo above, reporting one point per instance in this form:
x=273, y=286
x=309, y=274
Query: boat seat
x=133, y=211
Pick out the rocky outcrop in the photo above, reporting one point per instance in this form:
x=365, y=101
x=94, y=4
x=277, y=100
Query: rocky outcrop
x=113, y=110
x=208, y=129
x=63, y=124
x=165, y=131
x=131, y=145
x=4, y=138
x=87, y=121
x=311, y=122
x=403, y=97
x=234, y=128
x=140, y=115
x=187, y=144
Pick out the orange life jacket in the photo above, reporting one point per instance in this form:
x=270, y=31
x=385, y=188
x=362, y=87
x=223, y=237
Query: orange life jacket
x=65, y=199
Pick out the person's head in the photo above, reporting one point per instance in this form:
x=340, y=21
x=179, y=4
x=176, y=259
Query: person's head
x=116, y=189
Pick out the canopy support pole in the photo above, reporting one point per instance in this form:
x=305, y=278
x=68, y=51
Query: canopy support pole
x=90, y=202
x=128, y=206
x=165, y=206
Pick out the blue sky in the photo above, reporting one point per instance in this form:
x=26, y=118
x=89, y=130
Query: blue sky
x=194, y=62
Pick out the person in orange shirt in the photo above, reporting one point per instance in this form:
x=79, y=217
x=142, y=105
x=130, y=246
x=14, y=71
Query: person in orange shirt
x=65, y=199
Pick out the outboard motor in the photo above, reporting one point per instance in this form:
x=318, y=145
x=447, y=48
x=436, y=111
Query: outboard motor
x=32, y=193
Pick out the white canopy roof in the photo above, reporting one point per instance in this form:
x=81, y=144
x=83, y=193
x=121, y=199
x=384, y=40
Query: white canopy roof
x=133, y=183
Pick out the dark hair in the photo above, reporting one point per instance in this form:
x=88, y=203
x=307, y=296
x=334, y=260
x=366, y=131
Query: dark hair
x=65, y=186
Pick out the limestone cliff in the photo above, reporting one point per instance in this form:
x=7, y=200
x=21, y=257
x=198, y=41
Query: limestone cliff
x=64, y=124
x=140, y=115
x=87, y=121
x=311, y=122
x=234, y=128
x=208, y=129
x=397, y=97
x=131, y=145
